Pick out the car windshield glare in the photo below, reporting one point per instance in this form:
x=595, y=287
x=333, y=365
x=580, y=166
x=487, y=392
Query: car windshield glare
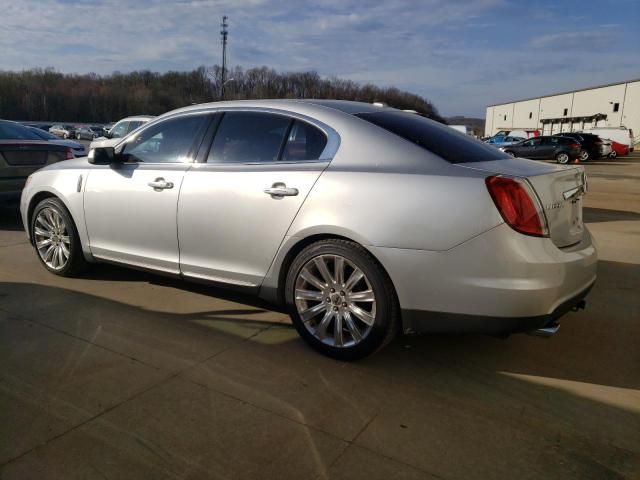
x=439, y=139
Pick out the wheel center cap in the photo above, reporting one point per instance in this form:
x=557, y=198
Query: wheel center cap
x=336, y=299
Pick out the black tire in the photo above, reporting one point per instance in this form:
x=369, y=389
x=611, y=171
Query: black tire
x=509, y=152
x=562, y=158
x=585, y=156
x=386, y=321
x=76, y=262
x=613, y=154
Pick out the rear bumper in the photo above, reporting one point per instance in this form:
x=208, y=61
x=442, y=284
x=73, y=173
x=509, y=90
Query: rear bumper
x=421, y=321
x=500, y=281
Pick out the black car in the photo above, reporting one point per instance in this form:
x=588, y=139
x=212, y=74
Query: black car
x=562, y=149
x=592, y=145
x=21, y=153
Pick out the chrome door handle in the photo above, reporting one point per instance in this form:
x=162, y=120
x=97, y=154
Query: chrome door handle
x=281, y=191
x=160, y=184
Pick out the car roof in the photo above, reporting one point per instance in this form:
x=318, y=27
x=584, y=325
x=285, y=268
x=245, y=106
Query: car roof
x=137, y=117
x=344, y=106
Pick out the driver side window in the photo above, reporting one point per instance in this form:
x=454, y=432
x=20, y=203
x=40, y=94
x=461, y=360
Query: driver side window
x=532, y=143
x=170, y=141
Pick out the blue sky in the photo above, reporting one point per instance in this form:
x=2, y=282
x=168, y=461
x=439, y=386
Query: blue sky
x=462, y=55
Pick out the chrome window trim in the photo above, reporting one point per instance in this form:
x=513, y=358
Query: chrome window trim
x=120, y=146
x=330, y=149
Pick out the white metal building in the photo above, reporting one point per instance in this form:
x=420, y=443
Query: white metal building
x=612, y=105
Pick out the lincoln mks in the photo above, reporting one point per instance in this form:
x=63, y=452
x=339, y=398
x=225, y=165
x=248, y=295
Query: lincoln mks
x=363, y=220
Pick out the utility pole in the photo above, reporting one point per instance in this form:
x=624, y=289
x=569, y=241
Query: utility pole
x=223, y=34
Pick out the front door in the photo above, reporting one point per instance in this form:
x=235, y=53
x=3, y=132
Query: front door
x=530, y=148
x=130, y=207
x=236, y=208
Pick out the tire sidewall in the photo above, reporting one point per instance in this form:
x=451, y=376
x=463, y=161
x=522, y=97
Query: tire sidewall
x=76, y=256
x=383, y=294
x=562, y=155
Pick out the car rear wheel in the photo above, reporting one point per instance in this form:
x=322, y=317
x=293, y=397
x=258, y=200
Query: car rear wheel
x=562, y=158
x=613, y=154
x=56, y=239
x=584, y=155
x=341, y=301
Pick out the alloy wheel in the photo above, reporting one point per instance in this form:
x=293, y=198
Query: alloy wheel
x=52, y=240
x=563, y=158
x=335, y=300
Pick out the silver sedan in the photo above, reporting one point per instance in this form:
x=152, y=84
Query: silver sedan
x=364, y=220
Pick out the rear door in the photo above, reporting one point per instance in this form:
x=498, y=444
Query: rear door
x=237, y=205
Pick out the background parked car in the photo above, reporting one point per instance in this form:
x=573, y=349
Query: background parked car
x=618, y=149
x=621, y=135
x=22, y=153
x=562, y=149
x=503, y=141
x=64, y=131
x=119, y=130
x=87, y=133
x=592, y=145
x=79, y=150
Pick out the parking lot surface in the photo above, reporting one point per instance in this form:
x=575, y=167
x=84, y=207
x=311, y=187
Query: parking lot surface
x=122, y=374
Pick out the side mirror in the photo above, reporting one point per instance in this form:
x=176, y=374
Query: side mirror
x=103, y=156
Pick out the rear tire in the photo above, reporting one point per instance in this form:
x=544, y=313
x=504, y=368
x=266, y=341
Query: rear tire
x=613, y=154
x=339, y=316
x=56, y=239
x=562, y=158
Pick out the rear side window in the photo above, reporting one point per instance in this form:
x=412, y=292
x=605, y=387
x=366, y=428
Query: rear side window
x=441, y=140
x=305, y=142
x=249, y=137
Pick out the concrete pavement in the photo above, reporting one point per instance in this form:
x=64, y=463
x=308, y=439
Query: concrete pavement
x=122, y=374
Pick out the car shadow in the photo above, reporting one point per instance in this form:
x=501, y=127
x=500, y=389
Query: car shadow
x=596, y=215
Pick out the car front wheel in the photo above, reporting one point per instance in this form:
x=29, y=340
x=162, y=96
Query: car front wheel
x=341, y=301
x=56, y=239
x=613, y=154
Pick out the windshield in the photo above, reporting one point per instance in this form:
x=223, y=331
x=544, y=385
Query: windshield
x=15, y=131
x=439, y=139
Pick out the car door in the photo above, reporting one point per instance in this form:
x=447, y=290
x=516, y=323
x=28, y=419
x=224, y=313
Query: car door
x=529, y=149
x=236, y=207
x=547, y=147
x=130, y=207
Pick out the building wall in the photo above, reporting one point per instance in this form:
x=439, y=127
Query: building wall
x=631, y=109
x=580, y=103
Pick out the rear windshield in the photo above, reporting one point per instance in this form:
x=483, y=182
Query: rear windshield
x=15, y=131
x=439, y=139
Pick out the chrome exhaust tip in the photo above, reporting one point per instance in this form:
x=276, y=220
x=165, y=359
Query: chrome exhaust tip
x=547, y=331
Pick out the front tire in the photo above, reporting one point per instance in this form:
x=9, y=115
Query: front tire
x=562, y=158
x=509, y=152
x=340, y=299
x=55, y=238
x=613, y=154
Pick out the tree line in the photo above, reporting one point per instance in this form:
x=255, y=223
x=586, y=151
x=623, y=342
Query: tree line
x=49, y=95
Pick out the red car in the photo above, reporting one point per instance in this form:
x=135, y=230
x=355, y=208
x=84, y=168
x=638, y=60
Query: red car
x=618, y=149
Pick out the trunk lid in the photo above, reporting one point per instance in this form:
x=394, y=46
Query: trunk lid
x=559, y=189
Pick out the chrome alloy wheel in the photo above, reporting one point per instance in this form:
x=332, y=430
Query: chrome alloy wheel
x=335, y=300
x=52, y=238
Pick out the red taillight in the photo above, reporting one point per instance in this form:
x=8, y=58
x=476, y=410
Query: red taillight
x=68, y=154
x=574, y=146
x=518, y=206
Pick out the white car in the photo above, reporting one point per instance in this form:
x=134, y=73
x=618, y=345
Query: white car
x=119, y=130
